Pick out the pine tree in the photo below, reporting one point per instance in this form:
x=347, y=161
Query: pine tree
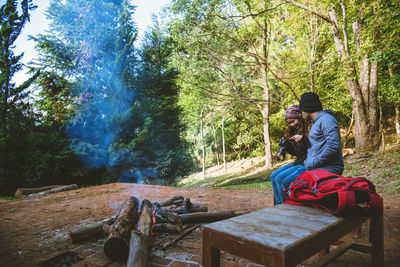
x=91, y=46
x=11, y=26
x=164, y=147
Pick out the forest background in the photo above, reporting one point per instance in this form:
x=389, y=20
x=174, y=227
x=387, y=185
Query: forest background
x=209, y=84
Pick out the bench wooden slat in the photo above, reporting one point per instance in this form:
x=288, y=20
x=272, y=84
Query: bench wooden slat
x=310, y=245
x=270, y=229
x=282, y=235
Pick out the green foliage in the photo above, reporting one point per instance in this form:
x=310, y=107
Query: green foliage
x=12, y=97
x=106, y=111
x=395, y=187
x=162, y=146
x=8, y=198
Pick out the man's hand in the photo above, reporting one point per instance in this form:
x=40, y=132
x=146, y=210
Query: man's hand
x=296, y=137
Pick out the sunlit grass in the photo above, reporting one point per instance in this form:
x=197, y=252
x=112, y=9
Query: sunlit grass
x=8, y=197
x=253, y=177
x=257, y=184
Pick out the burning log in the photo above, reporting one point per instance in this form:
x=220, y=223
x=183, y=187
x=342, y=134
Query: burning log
x=176, y=200
x=207, y=217
x=116, y=246
x=163, y=216
x=139, y=243
x=26, y=191
x=55, y=190
x=190, y=208
x=167, y=228
x=89, y=231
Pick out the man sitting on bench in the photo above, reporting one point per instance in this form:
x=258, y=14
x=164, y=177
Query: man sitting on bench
x=325, y=152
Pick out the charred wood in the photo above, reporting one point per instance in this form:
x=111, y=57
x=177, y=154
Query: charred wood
x=176, y=200
x=139, y=243
x=117, y=244
x=207, y=217
x=167, y=217
x=190, y=208
x=167, y=228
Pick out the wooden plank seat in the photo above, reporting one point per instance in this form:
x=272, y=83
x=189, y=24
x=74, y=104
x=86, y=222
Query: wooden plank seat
x=286, y=235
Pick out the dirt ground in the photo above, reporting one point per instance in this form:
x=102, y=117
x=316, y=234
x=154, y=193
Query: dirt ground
x=34, y=231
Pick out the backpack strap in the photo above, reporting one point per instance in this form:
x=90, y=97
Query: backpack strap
x=355, y=180
x=376, y=211
x=347, y=201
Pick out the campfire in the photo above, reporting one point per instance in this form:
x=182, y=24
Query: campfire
x=129, y=234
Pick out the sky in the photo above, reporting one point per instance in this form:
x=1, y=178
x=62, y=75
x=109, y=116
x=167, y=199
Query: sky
x=39, y=24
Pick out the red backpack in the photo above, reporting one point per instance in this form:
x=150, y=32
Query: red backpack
x=336, y=194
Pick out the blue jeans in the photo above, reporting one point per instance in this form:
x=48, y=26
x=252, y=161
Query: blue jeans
x=282, y=178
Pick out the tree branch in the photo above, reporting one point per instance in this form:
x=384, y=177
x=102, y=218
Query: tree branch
x=319, y=14
x=251, y=14
x=284, y=82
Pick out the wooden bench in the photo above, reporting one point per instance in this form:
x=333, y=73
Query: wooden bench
x=286, y=235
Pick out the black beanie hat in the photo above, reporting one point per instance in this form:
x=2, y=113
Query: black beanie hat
x=309, y=102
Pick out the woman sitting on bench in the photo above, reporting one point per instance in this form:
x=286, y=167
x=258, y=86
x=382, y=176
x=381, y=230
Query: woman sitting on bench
x=296, y=143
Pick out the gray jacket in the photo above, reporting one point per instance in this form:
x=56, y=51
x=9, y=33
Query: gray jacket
x=326, y=149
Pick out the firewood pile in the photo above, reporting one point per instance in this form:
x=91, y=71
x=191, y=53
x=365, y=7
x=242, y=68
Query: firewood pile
x=129, y=234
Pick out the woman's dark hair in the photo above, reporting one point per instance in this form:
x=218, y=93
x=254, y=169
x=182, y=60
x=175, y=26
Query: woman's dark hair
x=291, y=131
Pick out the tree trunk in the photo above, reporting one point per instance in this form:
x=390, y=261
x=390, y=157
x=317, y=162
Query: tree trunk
x=223, y=142
x=139, y=243
x=349, y=130
x=396, y=107
x=374, y=119
x=203, y=148
x=265, y=110
x=364, y=102
x=365, y=130
x=216, y=143
x=116, y=246
x=381, y=131
x=313, y=49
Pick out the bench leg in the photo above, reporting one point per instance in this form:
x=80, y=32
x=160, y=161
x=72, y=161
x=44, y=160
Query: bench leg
x=377, y=243
x=323, y=252
x=211, y=255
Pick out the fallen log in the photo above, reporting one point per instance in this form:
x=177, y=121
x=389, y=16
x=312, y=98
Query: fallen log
x=168, y=244
x=139, y=243
x=55, y=190
x=207, y=217
x=176, y=200
x=116, y=246
x=26, y=191
x=90, y=231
